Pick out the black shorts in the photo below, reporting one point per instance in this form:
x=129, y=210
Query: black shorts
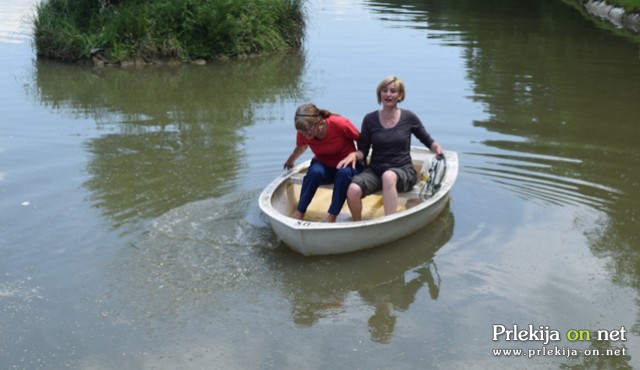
x=370, y=183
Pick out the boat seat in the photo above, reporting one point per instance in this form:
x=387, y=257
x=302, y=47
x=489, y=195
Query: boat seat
x=412, y=194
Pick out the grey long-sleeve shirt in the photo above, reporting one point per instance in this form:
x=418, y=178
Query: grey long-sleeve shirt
x=391, y=146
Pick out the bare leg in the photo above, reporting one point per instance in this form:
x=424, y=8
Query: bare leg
x=298, y=215
x=389, y=192
x=354, y=201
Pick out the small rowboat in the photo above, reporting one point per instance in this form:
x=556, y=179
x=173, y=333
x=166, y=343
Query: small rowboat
x=416, y=209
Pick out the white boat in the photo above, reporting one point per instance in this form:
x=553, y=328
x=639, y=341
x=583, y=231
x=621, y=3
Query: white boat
x=313, y=237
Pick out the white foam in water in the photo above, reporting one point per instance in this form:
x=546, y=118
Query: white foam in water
x=209, y=243
x=16, y=296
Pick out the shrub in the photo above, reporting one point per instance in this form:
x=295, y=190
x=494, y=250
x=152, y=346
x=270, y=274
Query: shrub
x=187, y=29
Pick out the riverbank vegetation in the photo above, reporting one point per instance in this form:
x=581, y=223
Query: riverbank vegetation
x=621, y=17
x=157, y=30
x=630, y=6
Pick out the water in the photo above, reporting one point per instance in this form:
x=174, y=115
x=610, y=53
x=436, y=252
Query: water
x=130, y=235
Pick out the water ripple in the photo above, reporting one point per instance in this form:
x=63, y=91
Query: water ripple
x=14, y=22
x=543, y=178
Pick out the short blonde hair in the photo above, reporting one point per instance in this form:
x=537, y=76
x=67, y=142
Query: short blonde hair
x=386, y=82
x=308, y=115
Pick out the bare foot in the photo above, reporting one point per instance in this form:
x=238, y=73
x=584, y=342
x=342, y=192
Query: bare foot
x=298, y=215
x=330, y=218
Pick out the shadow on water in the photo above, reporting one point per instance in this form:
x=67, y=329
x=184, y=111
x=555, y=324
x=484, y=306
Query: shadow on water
x=196, y=256
x=170, y=135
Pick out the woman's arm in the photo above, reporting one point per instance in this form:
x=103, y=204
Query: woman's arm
x=421, y=133
x=297, y=152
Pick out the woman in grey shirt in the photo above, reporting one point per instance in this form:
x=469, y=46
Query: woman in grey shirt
x=388, y=132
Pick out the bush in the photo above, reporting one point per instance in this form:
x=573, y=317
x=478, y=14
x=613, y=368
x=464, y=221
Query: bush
x=69, y=30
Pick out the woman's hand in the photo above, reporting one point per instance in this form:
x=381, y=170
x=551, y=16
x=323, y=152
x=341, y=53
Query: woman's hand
x=289, y=164
x=437, y=149
x=297, y=152
x=350, y=160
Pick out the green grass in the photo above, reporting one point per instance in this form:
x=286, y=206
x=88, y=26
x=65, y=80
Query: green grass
x=68, y=30
x=631, y=6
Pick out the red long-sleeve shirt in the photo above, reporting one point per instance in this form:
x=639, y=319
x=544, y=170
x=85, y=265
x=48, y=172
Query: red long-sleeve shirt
x=336, y=144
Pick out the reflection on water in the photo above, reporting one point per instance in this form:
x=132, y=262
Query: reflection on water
x=398, y=295
x=571, y=114
x=204, y=250
x=565, y=111
x=178, y=136
x=320, y=288
x=620, y=361
x=562, y=114
x=539, y=104
x=164, y=96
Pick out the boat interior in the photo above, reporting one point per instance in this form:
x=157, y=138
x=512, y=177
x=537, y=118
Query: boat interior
x=287, y=195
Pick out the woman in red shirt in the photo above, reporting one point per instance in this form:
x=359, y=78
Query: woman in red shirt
x=331, y=138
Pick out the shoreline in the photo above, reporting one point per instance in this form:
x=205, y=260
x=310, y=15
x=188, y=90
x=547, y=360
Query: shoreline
x=615, y=15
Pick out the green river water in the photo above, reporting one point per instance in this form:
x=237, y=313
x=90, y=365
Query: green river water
x=130, y=235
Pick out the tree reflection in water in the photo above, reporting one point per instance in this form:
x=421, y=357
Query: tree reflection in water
x=171, y=134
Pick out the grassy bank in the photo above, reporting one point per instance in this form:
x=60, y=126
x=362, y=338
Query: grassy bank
x=625, y=24
x=68, y=30
x=630, y=6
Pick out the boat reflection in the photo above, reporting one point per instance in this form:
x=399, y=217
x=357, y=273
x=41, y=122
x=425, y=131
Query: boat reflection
x=398, y=295
x=384, y=280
